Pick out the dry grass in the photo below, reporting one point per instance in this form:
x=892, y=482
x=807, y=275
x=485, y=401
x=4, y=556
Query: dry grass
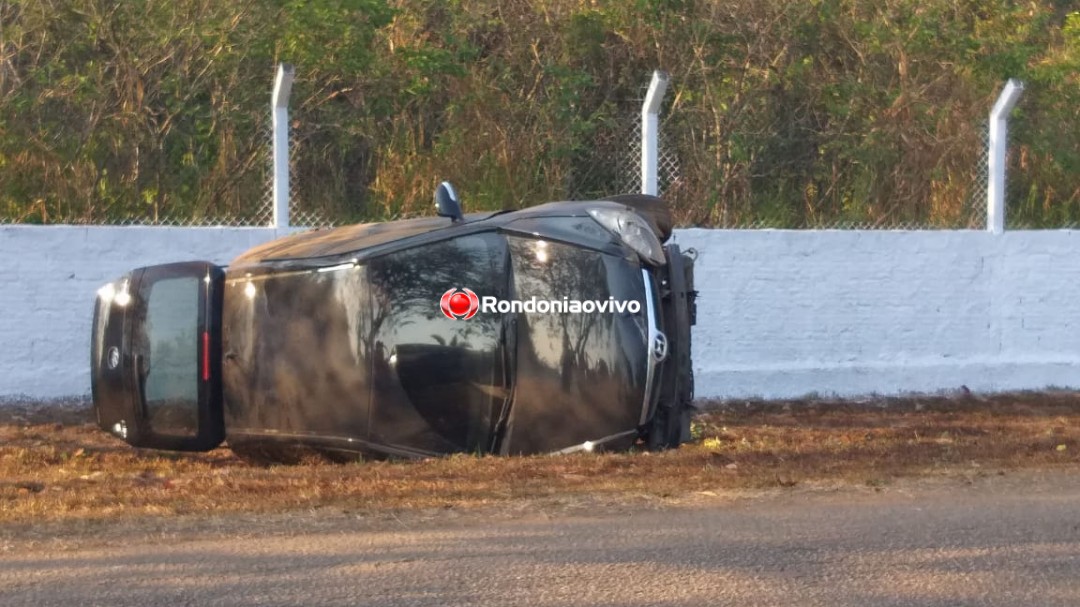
x=56, y=467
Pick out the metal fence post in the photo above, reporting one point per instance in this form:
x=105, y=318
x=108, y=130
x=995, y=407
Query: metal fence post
x=280, y=120
x=650, y=132
x=998, y=144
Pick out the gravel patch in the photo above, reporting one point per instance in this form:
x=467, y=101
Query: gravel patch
x=25, y=410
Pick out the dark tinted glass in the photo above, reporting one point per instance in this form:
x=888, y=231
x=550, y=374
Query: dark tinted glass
x=171, y=356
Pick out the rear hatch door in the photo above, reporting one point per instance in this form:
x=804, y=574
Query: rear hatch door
x=156, y=357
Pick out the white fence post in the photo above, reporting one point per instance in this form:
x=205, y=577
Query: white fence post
x=650, y=132
x=998, y=145
x=280, y=119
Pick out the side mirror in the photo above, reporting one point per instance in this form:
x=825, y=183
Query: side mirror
x=446, y=202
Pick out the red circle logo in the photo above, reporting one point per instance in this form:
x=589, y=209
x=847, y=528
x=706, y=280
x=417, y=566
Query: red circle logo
x=459, y=305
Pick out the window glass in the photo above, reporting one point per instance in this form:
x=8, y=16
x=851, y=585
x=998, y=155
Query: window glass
x=172, y=355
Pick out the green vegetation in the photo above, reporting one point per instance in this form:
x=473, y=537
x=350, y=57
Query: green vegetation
x=783, y=113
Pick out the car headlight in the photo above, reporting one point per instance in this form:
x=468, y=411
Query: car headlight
x=110, y=295
x=633, y=230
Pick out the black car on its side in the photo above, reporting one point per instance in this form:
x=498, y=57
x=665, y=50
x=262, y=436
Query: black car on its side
x=559, y=327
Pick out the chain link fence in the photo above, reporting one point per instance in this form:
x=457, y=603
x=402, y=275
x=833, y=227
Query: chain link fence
x=624, y=155
x=301, y=213
x=258, y=215
x=1026, y=207
x=262, y=214
x=613, y=165
x=609, y=163
x=980, y=183
x=261, y=218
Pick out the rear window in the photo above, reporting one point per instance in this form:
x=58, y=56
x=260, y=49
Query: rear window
x=171, y=355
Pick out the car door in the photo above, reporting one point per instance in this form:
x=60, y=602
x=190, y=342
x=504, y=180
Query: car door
x=156, y=361
x=439, y=379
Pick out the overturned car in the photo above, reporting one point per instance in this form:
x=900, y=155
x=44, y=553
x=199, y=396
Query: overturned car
x=559, y=327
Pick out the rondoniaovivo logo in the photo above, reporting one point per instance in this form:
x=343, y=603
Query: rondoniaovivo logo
x=459, y=304
x=462, y=304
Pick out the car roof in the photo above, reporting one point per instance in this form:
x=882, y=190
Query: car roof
x=345, y=239
x=355, y=238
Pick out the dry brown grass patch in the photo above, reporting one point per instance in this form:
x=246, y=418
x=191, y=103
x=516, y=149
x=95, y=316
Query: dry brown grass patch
x=69, y=470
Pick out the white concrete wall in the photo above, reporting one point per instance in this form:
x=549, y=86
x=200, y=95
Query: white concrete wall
x=50, y=275
x=781, y=313
x=786, y=313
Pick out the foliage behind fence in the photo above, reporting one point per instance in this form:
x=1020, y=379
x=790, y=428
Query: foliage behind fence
x=786, y=114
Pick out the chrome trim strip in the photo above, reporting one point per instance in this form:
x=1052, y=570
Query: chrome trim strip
x=342, y=442
x=588, y=446
x=655, y=343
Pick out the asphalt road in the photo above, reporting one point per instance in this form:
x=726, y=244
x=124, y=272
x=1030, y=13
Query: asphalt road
x=1012, y=540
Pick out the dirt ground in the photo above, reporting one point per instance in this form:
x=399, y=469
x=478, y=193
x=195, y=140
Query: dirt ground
x=929, y=541
x=58, y=470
